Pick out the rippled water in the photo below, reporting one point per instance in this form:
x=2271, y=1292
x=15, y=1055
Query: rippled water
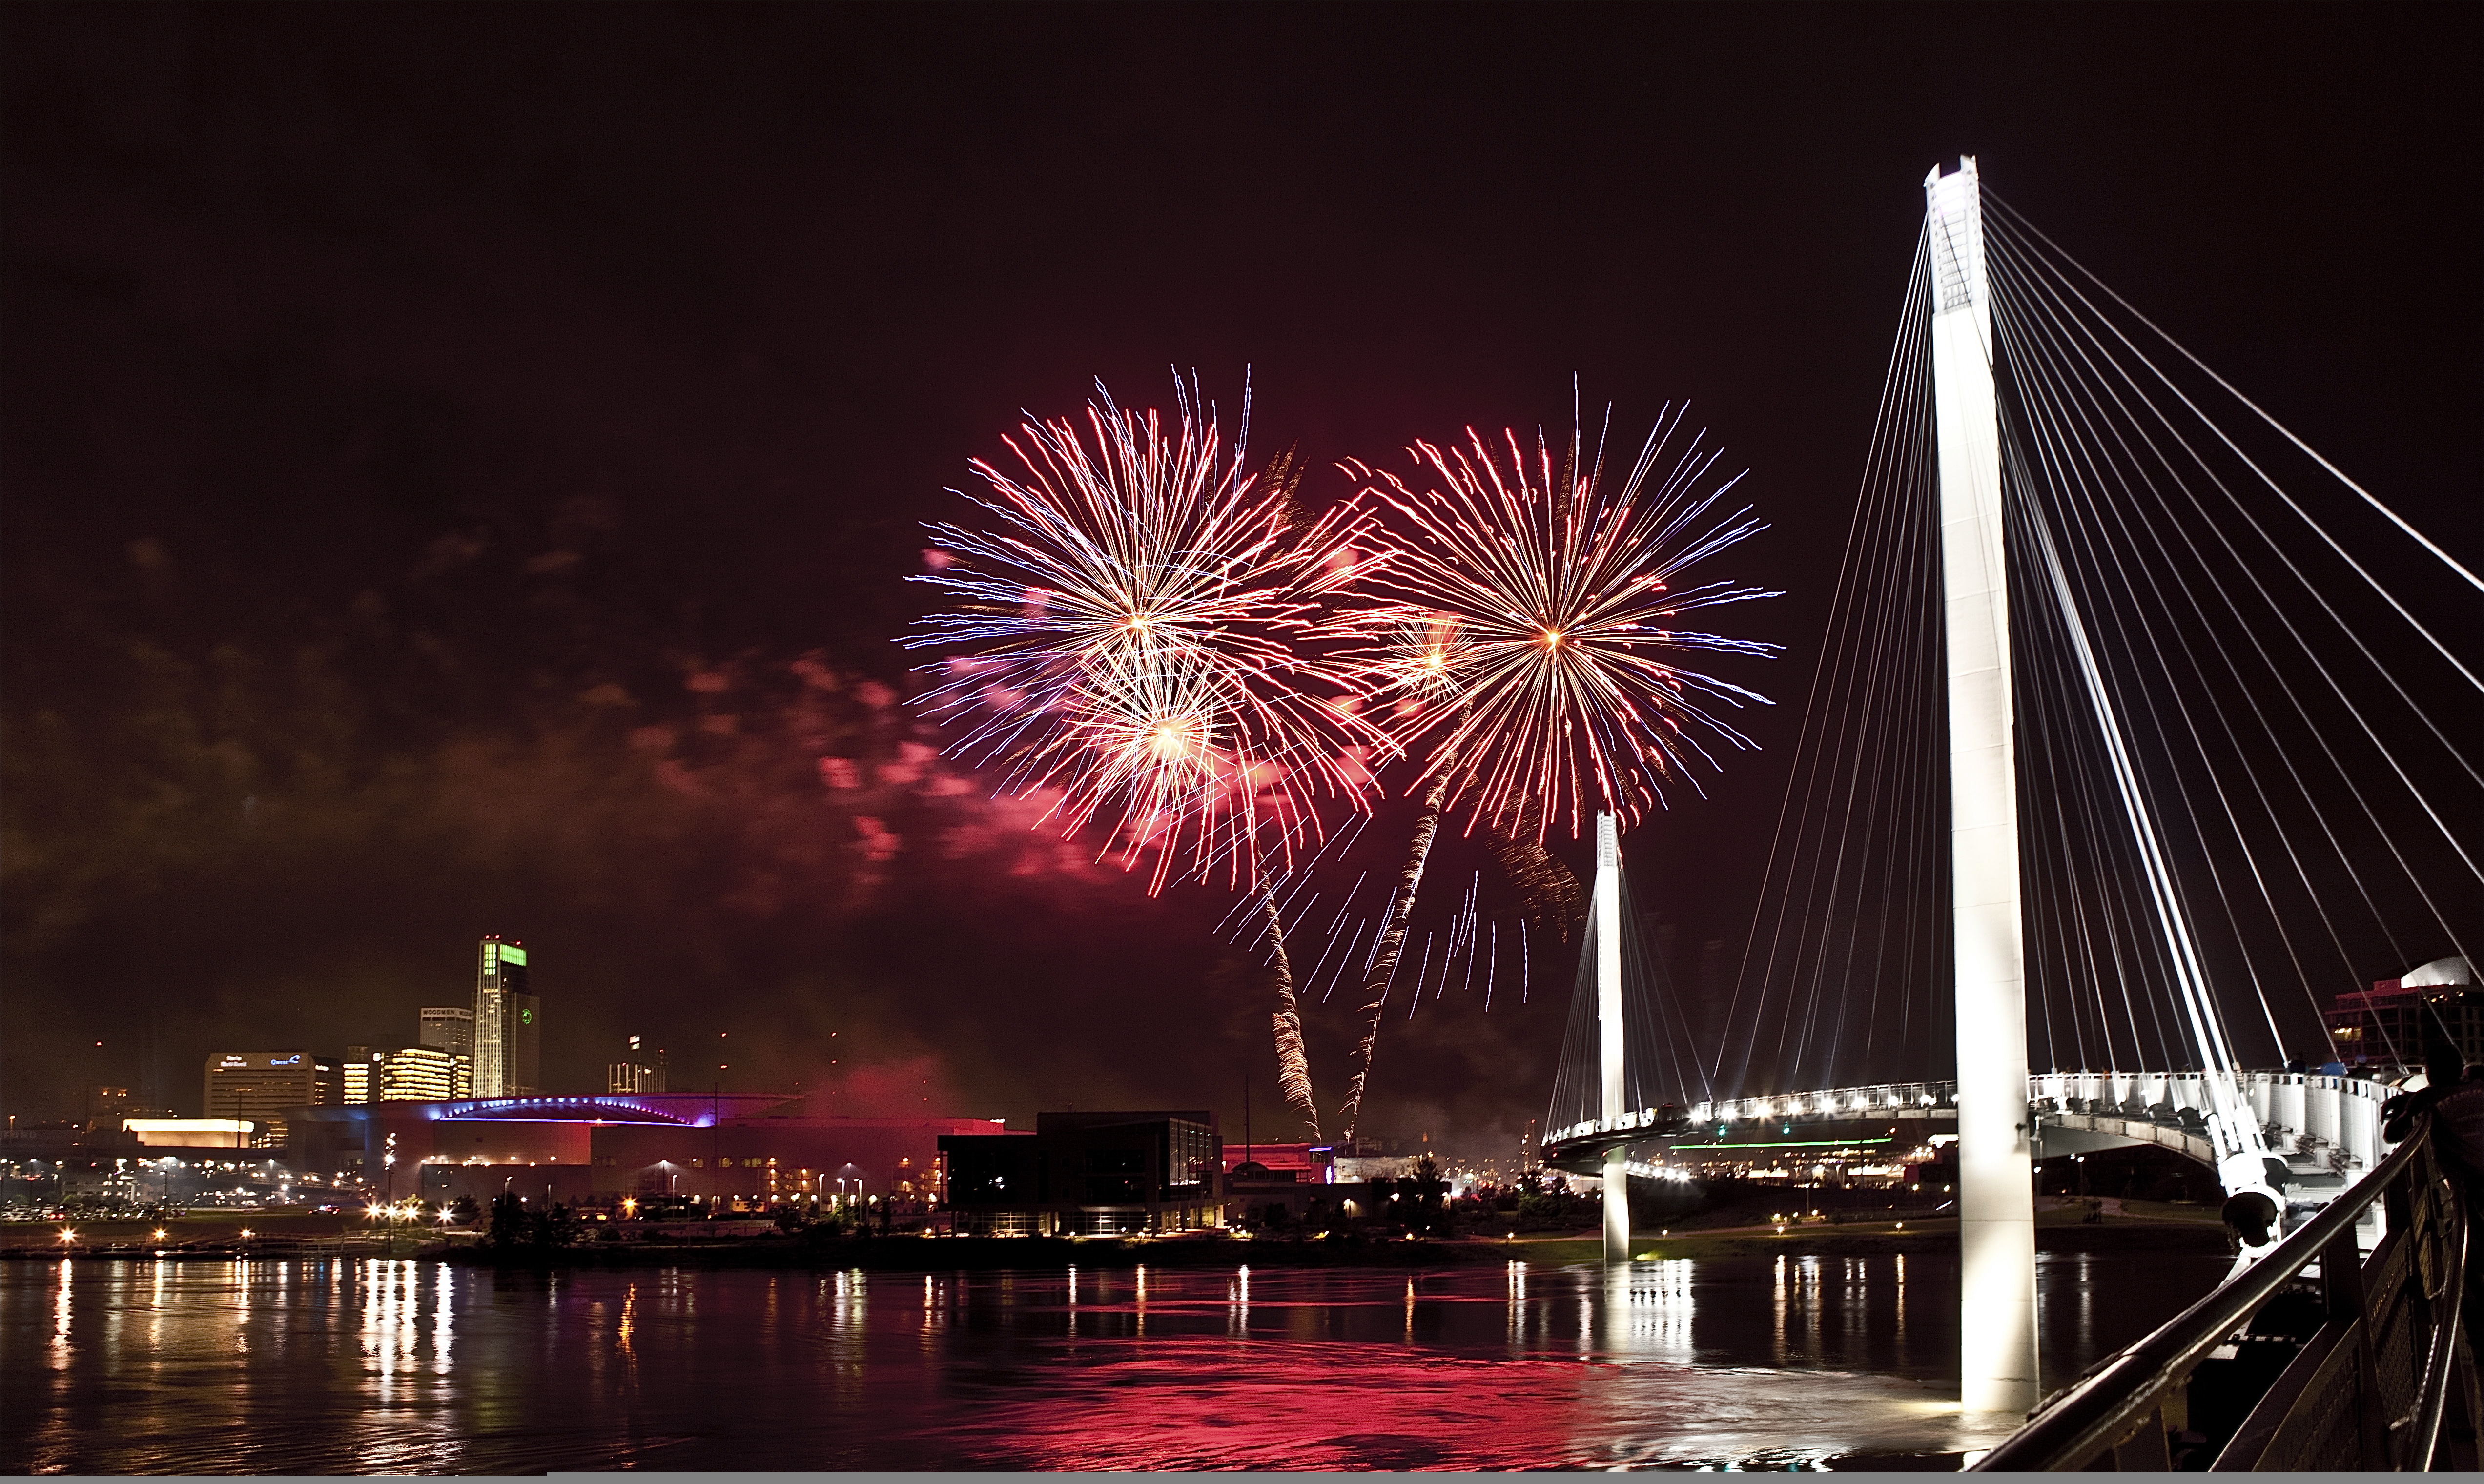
x=377, y=1366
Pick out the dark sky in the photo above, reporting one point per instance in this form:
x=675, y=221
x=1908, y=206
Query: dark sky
x=459, y=462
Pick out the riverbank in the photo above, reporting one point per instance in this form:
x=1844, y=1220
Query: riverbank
x=2129, y=1227
x=915, y=1254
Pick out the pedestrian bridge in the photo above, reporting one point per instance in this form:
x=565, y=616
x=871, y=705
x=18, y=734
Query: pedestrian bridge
x=2324, y=1128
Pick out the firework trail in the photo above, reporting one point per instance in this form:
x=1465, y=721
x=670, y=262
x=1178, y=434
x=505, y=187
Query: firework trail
x=1125, y=632
x=1521, y=621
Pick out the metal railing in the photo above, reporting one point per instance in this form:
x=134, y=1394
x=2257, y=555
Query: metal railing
x=2369, y=1390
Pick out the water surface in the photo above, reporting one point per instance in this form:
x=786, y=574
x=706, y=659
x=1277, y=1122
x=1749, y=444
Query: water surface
x=380, y=1367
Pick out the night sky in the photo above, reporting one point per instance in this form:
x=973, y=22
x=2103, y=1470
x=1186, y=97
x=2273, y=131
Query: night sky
x=460, y=463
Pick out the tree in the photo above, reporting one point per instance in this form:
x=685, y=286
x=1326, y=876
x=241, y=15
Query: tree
x=509, y=1224
x=1424, y=1194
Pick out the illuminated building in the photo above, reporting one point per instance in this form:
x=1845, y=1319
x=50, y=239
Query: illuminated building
x=1284, y=1163
x=630, y=1077
x=731, y=1149
x=507, y=1028
x=423, y=1074
x=448, y=1027
x=190, y=1133
x=359, y=1074
x=634, y=1075
x=1089, y=1174
x=264, y=1086
x=525, y=1041
x=2389, y=1021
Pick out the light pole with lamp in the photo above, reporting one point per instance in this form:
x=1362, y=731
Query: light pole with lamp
x=716, y=1135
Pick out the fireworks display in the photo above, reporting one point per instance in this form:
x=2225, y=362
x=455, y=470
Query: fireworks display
x=1523, y=622
x=1170, y=648
x=1126, y=634
x=1518, y=628
x=1128, y=630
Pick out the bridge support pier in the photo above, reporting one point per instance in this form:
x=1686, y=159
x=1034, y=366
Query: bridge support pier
x=1617, y=1205
x=1610, y=1041
x=1996, y=1199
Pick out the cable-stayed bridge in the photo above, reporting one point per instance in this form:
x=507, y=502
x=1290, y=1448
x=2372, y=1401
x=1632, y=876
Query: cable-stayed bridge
x=2139, y=730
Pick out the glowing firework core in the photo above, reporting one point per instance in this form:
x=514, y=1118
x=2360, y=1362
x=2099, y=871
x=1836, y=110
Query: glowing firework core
x=1554, y=588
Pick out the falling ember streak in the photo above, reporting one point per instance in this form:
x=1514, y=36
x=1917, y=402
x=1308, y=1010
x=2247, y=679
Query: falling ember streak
x=1387, y=947
x=1414, y=1001
x=1490, y=966
x=1340, y=977
x=1293, y=1066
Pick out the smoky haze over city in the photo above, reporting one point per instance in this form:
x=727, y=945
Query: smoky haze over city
x=461, y=467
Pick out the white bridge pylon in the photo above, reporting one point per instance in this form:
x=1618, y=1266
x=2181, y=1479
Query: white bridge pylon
x=1614, y=1100
x=1998, y=1369
x=1996, y=1199
x=1622, y=1058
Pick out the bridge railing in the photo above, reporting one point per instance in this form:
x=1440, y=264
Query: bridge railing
x=2368, y=1390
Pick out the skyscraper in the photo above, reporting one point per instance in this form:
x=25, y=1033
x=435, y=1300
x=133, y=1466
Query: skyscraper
x=501, y=1006
x=448, y=1028
x=525, y=1041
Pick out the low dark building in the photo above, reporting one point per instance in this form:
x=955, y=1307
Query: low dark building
x=1088, y=1175
x=2389, y=1021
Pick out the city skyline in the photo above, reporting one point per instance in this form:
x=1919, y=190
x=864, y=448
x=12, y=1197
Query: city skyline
x=513, y=536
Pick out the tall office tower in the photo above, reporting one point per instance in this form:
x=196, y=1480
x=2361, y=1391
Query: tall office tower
x=360, y=1070
x=525, y=1044
x=448, y=1027
x=262, y=1086
x=424, y=1074
x=499, y=977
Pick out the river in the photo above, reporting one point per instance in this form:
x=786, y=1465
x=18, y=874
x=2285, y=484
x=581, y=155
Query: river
x=376, y=1366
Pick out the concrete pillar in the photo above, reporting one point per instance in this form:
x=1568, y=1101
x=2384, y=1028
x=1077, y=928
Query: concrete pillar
x=1996, y=1195
x=1609, y=1030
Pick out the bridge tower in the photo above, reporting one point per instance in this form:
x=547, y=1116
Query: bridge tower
x=1615, y=1102
x=1996, y=1177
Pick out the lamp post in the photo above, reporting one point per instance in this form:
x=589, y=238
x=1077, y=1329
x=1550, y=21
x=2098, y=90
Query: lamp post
x=715, y=1133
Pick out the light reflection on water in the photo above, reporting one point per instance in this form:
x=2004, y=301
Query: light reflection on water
x=376, y=1365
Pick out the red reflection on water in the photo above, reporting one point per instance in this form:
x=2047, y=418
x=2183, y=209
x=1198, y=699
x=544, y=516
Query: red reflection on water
x=1270, y=1404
